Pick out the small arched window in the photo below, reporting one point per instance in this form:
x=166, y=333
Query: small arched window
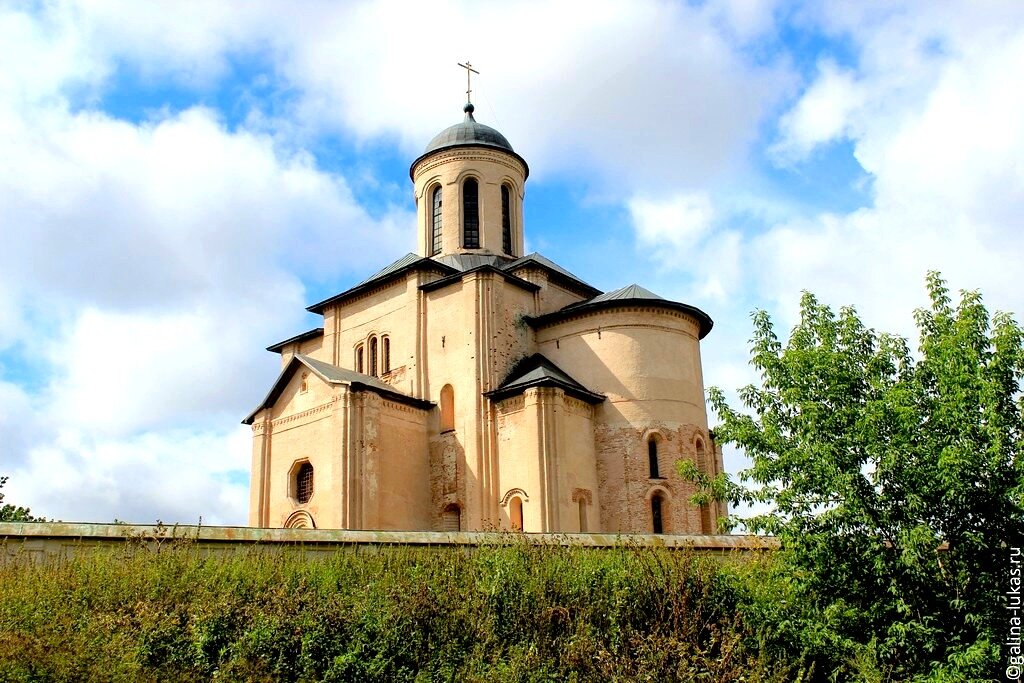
x=652, y=457
x=451, y=519
x=360, y=366
x=656, y=522
x=304, y=483
x=373, y=357
x=470, y=214
x=447, y=408
x=385, y=355
x=515, y=513
x=435, y=222
x=304, y=385
x=506, y=220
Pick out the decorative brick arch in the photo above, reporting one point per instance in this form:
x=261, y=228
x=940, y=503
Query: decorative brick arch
x=300, y=519
x=514, y=492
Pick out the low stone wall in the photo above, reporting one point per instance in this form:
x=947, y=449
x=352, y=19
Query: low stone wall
x=59, y=539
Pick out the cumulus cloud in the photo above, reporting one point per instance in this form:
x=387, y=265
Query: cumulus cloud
x=145, y=265
x=932, y=119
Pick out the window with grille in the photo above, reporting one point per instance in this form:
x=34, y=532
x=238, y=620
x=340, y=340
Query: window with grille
x=373, y=357
x=435, y=224
x=470, y=214
x=506, y=220
x=386, y=355
x=359, y=359
x=304, y=483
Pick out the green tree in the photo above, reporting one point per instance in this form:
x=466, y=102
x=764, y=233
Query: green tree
x=894, y=481
x=13, y=513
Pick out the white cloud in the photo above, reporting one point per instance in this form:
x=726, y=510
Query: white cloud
x=822, y=114
x=934, y=120
x=144, y=268
x=644, y=94
x=171, y=475
x=679, y=222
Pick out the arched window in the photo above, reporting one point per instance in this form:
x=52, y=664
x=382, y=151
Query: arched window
x=470, y=214
x=652, y=457
x=451, y=518
x=304, y=385
x=447, y=408
x=304, y=483
x=386, y=353
x=583, y=514
x=515, y=513
x=359, y=358
x=506, y=220
x=656, y=522
x=373, y=357
x=435, y=222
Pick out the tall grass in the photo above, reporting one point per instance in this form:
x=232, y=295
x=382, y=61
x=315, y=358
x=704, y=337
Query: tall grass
x=512, y=611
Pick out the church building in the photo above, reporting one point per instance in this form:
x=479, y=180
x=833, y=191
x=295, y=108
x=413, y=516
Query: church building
x=471, y=386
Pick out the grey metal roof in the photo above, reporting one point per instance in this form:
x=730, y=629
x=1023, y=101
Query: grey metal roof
x=630, y=293
x=463, y=262
x=469, y=132
x=332, y=374
x=406, y=260
x=633, y=291
x=537, y=370
x=544, y=261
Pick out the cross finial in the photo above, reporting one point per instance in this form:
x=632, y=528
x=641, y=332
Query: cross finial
x=469, y=89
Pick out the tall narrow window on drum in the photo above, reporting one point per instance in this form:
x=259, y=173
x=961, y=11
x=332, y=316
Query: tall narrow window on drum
x=506, y=220
x=470, y=214
x=386, y=353
x=435, y=223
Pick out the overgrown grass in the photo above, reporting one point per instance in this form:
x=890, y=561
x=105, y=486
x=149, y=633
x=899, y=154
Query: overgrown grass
x=513, y=611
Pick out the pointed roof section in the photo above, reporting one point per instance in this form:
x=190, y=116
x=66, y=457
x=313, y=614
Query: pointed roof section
x=332, y=374
x=403, y=265
x=547, y=264
x=633, y=291
x=404, y=262
x=312, y=334
x=538, y=371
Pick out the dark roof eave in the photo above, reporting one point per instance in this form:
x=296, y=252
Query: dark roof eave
x=457, y=276
x=501, y=394
x=354, y=385
x=703, y=319
x=316, y=332
x=423, y=263
x=526, y=167
x=420, y=403
x=556, y=276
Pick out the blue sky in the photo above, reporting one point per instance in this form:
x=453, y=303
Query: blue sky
x=176, y=185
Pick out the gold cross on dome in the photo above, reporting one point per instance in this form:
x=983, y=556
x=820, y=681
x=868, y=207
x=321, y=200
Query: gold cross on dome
x=469, y=69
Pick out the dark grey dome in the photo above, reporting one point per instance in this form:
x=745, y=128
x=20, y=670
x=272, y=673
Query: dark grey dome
x=469, y=132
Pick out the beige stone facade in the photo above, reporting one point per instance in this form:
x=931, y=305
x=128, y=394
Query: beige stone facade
x=472, y=387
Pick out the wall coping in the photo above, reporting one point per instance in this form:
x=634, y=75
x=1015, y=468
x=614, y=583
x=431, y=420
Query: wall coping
x=66, y=533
